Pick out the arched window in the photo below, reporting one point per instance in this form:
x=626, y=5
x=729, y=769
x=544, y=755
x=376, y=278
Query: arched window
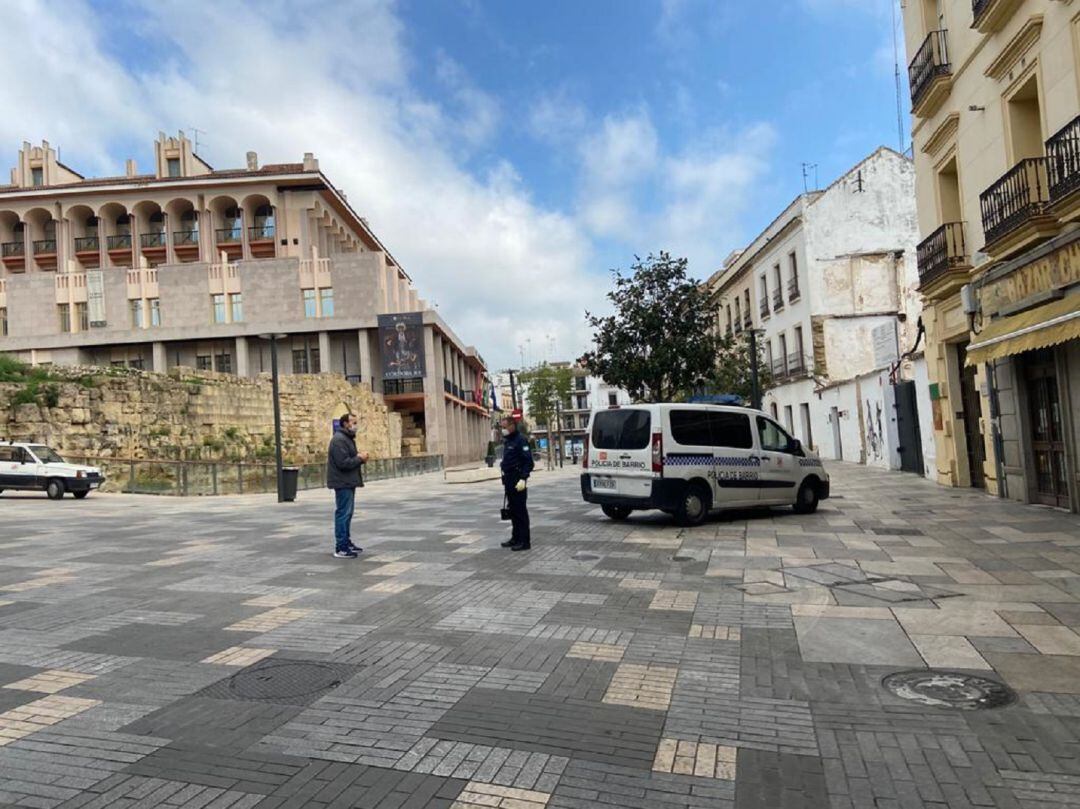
x=123, y=225
x=264, y=223
x=157, y=222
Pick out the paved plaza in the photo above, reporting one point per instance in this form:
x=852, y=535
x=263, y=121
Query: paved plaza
x=158, y=652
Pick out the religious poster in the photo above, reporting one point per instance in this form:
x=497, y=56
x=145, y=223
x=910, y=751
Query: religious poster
x=401, y=340
x=95, y=298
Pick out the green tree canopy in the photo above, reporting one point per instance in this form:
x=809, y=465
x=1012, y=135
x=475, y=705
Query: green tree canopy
x=544, y=386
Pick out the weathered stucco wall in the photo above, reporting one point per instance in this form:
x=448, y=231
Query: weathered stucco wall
x=186, y=415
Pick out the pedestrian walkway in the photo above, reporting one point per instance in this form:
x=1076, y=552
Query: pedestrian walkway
x=212, y=653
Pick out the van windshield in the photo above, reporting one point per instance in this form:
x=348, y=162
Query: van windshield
x=621, y=429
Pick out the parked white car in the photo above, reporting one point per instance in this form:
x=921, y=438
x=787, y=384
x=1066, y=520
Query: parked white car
x=36, y=467
x=690, y=459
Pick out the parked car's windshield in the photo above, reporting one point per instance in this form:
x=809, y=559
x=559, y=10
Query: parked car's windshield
x=46, y=455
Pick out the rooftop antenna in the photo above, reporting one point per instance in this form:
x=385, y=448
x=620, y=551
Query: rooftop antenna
x=196, y=131
x=896, y=73
x=805, y=176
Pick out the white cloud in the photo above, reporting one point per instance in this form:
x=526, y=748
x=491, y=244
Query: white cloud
x=259, y=75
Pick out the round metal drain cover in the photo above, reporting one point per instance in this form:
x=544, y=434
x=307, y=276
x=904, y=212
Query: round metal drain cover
x=284, y=680
x=949, y=689
x=585, y=557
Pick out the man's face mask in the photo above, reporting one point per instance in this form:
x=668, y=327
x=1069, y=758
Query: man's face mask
x=505, y=432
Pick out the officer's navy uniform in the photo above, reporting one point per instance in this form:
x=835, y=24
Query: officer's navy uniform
x=517, y=464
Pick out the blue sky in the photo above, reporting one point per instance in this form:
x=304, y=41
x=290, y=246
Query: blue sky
x=508, y=153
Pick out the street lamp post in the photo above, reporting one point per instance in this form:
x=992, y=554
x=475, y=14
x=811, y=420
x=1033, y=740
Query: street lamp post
x=273, y=338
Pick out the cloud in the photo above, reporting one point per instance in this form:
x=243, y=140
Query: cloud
x=258, y=75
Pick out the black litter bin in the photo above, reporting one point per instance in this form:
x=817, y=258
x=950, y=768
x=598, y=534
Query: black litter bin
x=290, y=475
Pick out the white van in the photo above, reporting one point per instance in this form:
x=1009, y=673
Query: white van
x=35, y=467
x=690, y=459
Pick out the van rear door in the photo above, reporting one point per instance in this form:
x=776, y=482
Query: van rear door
x=620, y=451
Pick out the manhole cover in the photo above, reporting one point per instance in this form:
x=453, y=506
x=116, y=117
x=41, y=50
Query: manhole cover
x=585, y=557
x=291, y=682
x=949, y=689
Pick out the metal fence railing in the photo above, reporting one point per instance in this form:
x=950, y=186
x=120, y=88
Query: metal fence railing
x=201, y=478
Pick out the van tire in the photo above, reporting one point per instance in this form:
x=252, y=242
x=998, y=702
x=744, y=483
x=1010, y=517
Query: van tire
x=80, y=495
x=693, y=505
x=616, y=512
x=806, y=501
x=54, y=488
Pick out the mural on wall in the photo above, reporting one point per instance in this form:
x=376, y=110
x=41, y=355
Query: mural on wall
x=401, y=339
x=875, y=435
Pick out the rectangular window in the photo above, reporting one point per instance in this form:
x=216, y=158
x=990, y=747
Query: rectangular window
x=204, y=362
x=37, y=177
x=117, y=363
x=808, y=433
x=217, y=303
x=612, y=399
x=798, y=360
x=3, y=322
x=223, y=363
x=772, y=437
x=326, y=302
x=789, y=419
x=782, y=359
x=621, y=429
x=316, y=365
x=772, y=409
x=136, y=313
x=174, y=166
x=236, y=303
x=137, y=364
x=299, y=361
x=82, y=316
x=778, y=288
x=309, y=303
x=764, y=296
x=691, y=428
x=793, y=277
x=730, y=430
x=155, y=311
x=579, y=382
x=65, y=316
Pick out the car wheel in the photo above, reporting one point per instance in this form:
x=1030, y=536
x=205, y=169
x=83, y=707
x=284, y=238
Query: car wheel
x=806, y=501
x=616, y=512
x=55, y=489
x=694, y=505
x=80, y=495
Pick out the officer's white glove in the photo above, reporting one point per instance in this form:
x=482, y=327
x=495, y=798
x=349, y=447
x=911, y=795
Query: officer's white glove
x=520, y=487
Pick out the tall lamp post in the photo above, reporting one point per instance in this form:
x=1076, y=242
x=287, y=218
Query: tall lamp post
x=273, y=338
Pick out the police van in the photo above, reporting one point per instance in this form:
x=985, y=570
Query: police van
x=690, y=459
x=35, y=467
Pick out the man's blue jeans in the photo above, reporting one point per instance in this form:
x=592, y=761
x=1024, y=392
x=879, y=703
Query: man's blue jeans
x=344, y=502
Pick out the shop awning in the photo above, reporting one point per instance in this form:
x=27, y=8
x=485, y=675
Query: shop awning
x=1041, y=327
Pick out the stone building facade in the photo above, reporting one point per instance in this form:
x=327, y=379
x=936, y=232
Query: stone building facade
x=194, y=267
x=995, y=90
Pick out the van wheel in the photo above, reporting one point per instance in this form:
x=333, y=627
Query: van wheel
x=55, y=489
x=616, y=512
x=80, y=495
x=694, y=505
x=806, y=501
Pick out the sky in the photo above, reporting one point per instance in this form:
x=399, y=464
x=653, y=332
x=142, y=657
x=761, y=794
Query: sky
x=509, y=154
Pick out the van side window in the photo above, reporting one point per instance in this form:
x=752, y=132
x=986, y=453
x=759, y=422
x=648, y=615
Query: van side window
x=691, y=428
x=772, y=437
x=731, y=430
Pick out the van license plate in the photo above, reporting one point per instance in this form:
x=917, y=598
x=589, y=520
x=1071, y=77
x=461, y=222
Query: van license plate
x=603, y=483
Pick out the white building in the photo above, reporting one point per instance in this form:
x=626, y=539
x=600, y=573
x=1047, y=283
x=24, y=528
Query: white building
x=831, y=286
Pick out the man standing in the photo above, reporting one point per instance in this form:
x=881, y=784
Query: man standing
x=343, y=475
x=517, y=463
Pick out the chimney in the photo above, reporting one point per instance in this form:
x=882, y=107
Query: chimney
x=129, y=168
x=310, y=163
x=252, y=161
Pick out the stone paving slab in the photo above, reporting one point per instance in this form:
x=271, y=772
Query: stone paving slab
x=620, y=664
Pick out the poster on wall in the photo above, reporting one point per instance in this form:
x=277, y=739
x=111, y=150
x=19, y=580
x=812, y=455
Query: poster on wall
x=401, y=338
x=885, y=349
x=95, y=298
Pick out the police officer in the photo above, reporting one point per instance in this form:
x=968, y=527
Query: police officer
x=517, y=463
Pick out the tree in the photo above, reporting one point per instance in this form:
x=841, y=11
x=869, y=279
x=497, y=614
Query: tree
x=546, y=385
x=661, y=343
x=732, y=373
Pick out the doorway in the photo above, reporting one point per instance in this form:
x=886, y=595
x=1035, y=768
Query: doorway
x=907, y=428
x=971, y=413
x=838, y=447
x=1051, y=485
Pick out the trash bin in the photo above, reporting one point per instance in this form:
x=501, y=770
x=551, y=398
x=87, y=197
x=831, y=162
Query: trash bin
x=289, y=477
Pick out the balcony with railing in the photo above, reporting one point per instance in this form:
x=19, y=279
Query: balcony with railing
x=230, y=235
x=87, y=244
x=152, y=240
x=796, y=364
x=185, y=238
x=44, y=247
x=261, y=233
x=991, y=15
x=930, y=74
x=121, y=241
x=13, y=249
x=764, y=307
x=1014, y=208
x=779, y=368
x=1063, y=169
x=943, y=252
x=777, y=300
x=793, y=293
x=748, y=320
x=403, y=387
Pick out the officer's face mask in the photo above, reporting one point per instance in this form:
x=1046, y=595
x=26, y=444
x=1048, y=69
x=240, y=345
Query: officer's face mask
x=505, y=432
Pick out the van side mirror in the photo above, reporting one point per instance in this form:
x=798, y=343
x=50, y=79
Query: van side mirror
x=795, y=448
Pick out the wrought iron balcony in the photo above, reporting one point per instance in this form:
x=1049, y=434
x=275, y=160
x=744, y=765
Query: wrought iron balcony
x=13, y=249
x=396, y=387
x=44, y=246
x=779, y=368
x=793, y=290
x=941, y=251
x=777, y=300
x=84, y=244
x=264, y=232
x=991, y=15
x=229, y=235
x=183, y=238
x=1063, y=161
x=931, y=61
x=796, y=364
x=152, y=239
x=764, y=306
x=121, y=241
x=748, y=320
x=1020, y=195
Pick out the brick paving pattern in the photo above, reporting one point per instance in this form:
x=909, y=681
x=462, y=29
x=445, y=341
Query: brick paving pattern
x=630, y=664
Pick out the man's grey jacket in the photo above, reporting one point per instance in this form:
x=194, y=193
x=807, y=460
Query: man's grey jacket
x=342, y=466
